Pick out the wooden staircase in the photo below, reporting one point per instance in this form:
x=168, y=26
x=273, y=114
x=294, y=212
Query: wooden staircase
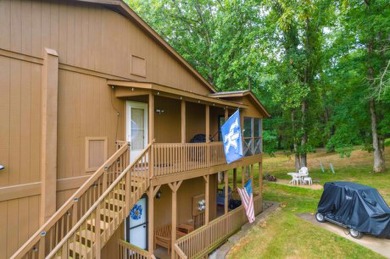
x=81, y=228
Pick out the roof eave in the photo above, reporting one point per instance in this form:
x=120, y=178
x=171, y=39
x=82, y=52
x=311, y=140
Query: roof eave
x=242, y=93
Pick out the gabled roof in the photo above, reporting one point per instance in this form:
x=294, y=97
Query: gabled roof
x=242, y=93
x=120, y=7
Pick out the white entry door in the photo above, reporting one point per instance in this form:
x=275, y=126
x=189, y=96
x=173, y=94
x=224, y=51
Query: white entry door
x=136, y=127
x=136, y=228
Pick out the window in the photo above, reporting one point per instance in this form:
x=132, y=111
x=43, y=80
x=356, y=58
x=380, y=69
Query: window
x=252, y=136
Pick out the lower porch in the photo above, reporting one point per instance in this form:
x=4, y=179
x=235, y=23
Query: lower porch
x=201, y=241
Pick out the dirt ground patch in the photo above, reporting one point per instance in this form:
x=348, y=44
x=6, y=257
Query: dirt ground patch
x=314, y=186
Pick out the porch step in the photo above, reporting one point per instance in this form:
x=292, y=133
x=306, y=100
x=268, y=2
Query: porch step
x=135, y=184
x=92, y=223
x=115, y=204
x=108, y=215
x=78, y=250
x=86, y=237
x=119, y=195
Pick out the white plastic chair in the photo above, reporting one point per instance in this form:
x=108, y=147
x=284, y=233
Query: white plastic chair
x=298, y=178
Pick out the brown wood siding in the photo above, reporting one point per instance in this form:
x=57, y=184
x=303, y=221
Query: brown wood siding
x=195, y=115
x=187, y=190
x=87, y=108
x=167, y=124
x=20, y=117
x=89, y=36
x=251, y=111
x=19, y=219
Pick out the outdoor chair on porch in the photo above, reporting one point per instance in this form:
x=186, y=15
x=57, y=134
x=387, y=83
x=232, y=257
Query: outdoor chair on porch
x=221, y=196
x=163, y=237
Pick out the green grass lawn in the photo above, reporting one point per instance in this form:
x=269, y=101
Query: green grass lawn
x=284, y=234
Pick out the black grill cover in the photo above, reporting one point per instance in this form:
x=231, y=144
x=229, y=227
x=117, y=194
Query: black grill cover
x=356, y=206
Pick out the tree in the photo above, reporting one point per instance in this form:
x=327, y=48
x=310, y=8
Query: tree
x=201, y=31
x=296, y=42
x=369, y=45
x=321, y=67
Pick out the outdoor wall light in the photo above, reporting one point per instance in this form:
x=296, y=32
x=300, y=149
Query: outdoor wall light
x=158, y=195
x=159, y=111
x=1, y=167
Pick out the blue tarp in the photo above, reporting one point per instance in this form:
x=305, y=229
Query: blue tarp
x=356, y=206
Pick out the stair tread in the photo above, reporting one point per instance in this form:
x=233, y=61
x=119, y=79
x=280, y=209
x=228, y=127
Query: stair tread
x=115, y=202
x=108, y=212
x=87, y=234
x=79, y=248
x=103, y=224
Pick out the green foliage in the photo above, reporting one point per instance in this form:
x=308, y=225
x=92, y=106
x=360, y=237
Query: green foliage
x=315, y=65
x=270, y=141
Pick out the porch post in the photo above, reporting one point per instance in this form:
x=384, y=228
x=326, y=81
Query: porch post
x=261, y=184
x=226, y=176
x=49, y=115
x=151, y=194
x=207, y=134
x=243, y=173
x=174, y=187
x=207, y=198
x=251, y=174
x=207, y=123
x=226, y=113
x=234, y=178
x=151, y=118
x=183, y=121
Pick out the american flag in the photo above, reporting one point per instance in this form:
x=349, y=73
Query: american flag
x=246, y=195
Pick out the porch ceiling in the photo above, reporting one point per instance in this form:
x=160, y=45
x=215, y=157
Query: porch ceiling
x=143, y=88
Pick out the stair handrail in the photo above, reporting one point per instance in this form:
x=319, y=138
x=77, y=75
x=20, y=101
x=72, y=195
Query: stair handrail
x=97, y=203
x=179, y=252
x=31, y=242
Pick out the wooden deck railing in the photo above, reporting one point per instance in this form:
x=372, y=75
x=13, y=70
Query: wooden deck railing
x=101, y=221
x=205, y=239
x=129, y=251
x=170, y=158
x=58, y=226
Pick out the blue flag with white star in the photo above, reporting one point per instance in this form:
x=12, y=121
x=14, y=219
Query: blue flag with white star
x=232, y=139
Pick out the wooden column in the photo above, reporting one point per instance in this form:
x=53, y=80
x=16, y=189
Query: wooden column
x=234, y=178
x=183, y=121
x=207, y=118
x=261, y=179
x=207, y=199
x=174, y=187
x=49, y=115
x=226, y=114
x=151, y=194
x=151, y=118
x=251, y=175
x=243, y=175
x=226, y=178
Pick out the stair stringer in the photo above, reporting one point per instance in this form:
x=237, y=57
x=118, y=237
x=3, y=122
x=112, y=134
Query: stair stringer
x=95, y=228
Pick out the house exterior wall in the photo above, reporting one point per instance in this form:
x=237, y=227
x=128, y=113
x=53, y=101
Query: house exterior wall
x=93, y=44
x=167, y=124
x=188, y=189
x=88, y=36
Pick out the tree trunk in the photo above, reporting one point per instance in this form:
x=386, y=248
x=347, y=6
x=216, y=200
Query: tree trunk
x=295, y=144
x=303, y=153
x=379, y=161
